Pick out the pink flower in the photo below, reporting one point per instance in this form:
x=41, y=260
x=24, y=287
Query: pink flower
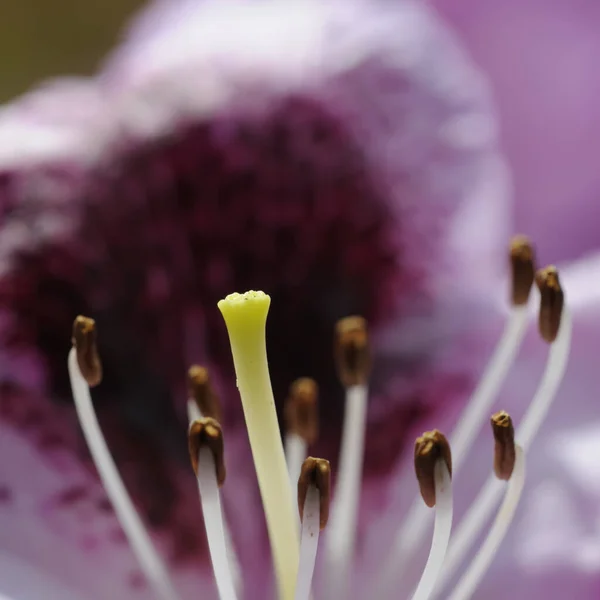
x=340, y=155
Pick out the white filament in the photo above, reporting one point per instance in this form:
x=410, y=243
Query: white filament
x=478, y=407
x=213, y=521
x=341, y=530
x=551, y=380
x=295, y=454
x=469, y=528
x=489, y=495
x=441, y=531
x=309, y=542
x=477, y=569
x=413, y=529
x=193, y=410
x=194, y=413
x=138, y=537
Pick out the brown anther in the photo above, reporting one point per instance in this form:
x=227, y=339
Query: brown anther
x=429, y=448
x=206, y=433
x=504, y=445
x=317, y=472
x=201, y=391
x=301, y=409
x=551, y=302
x=522, y=260
x=352, y=353
x=84, y=342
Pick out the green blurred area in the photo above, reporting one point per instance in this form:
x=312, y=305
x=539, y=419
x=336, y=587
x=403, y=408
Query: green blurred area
x=45, y=38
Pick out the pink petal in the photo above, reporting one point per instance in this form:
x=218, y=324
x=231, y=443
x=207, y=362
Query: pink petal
x=541, y=58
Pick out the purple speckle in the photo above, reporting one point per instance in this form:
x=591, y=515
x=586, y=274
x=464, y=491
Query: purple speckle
x=71, y=496
x=136, y=580
x=6, y=495
x=89, y=543
x=117, y=536
x=104, y=505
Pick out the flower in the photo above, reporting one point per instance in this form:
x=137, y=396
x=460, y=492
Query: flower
x=342, y=156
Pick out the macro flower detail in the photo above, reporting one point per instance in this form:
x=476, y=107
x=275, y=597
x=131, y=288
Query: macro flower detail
x=341, y=156
x=245, y=316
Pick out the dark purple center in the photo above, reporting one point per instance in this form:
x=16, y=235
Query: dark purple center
x=282, y=202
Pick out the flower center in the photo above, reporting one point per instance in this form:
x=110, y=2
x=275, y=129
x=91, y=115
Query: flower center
x=435, y=458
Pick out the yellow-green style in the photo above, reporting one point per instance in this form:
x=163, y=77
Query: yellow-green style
x=246, y=318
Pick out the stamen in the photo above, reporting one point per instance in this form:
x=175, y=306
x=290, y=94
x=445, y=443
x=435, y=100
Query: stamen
x=504, y=445
x=502, y=426
x=412, y=531
x=433, y=467
x=315, y=472
x=302, y=424
x=84, y=342
x=205, y=441
x=202, y=400
x=352, y=354
x=245, y=316
x=353, y=364
x=206, y=433
x=429, y=448
x=313, y=503
x=490, y=493
x=551, y=304
x=83, y=353
x=522, y=261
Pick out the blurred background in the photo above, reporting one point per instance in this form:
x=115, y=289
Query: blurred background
x=45, y=38
x=539, y=56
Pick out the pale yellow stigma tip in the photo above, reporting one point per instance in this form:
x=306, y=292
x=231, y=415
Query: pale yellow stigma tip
x=240, y=308
x=241, y=301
